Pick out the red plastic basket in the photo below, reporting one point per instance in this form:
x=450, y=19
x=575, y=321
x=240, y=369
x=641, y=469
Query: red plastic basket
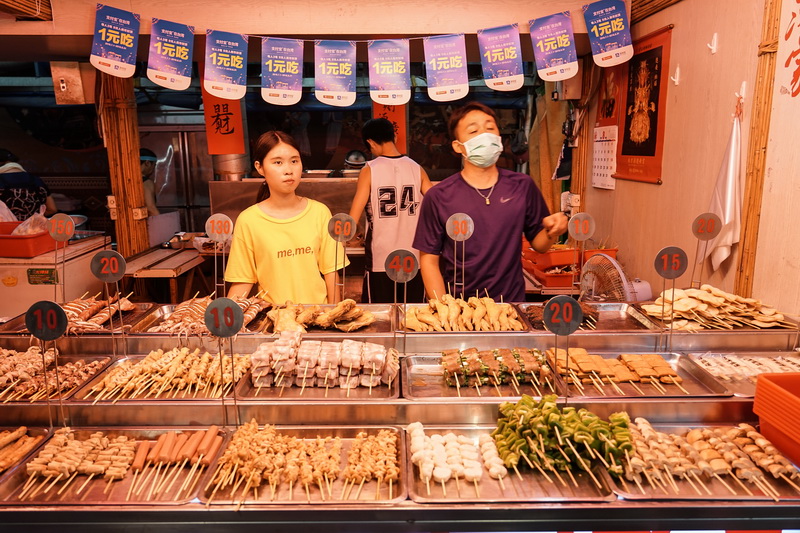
x=777, y=404
x=23, y=245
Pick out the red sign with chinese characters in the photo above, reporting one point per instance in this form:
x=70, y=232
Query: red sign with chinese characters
x=224, y=126
x=396, y=114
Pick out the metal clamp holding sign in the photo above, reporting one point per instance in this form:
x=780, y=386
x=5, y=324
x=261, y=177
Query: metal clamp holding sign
x=342, y=228
x=460, y=228
x=219, y=228
x=562, y=316
x=109, y=267
x=224, y=319
x=47, y=321
x=401, y=267
x=670, y=263
x=705, y=227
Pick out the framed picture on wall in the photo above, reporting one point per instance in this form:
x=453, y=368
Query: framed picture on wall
x=640, y=146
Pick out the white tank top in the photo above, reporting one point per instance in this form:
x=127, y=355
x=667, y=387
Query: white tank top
x=393, y=208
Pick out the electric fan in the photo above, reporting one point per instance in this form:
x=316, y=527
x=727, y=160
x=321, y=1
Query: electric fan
x=602, y=280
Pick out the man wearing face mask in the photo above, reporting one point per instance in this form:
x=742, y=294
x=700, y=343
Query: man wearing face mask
x=503, y=204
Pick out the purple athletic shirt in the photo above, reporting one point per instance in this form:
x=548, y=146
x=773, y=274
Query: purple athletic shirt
x=493, y=253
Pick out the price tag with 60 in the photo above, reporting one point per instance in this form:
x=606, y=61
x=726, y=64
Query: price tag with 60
x=342, y=227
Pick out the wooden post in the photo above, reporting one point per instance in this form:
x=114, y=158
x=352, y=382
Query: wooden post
x=757, y=148
x=120, y=129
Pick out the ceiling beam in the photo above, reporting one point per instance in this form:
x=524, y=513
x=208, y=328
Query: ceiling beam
x=641, y=9
x=28, y=9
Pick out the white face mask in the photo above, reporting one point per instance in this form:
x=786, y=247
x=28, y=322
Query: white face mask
x=484, y=150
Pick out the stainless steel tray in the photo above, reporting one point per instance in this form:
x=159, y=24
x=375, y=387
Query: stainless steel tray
x=368, y=494
x=737, y=371
x=533, y=487
x=696, y=383
x=399, y=315
x=660, y=324
x=85, y=394
x=32, y=432
x=62, y=359
x=158, y=314
x=423, y=378
x=611, y=317
x=384, y=322
x=719, y=491
x=99, y=491
x=129, y=320
x=291, y=392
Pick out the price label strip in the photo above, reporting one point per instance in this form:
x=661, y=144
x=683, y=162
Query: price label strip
x=460, y=228
x=401, y=266
x=224, y=319
x=705, y=227
x=670, y=263
x=219, y=228
x=109, y=267
x=47, y=321
x=562, y=317
x=581, y=228
x=342, y=228
x=61, y=229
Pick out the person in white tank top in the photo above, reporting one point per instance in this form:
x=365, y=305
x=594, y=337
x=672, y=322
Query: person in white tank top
x=390, y=189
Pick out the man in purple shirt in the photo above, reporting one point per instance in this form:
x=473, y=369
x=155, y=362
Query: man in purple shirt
x=503, y=205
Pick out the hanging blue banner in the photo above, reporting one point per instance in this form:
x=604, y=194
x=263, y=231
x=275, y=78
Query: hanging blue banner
x=281, y=70
x=389, y=72
x=554, y=47
x=335, y=65
x=226, y=64
x=170, y=61
x=501, y=57
x=446, y=67
x=116, y=33
x=609, y=32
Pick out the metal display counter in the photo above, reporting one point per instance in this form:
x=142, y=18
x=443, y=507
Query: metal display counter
x=407, y=515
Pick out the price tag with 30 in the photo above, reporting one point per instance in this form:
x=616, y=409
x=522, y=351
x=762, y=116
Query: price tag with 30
x=460, y=226
x=219, y=227
x=401, y=266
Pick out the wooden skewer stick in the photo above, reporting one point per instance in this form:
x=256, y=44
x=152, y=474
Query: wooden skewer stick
x=56, y=480
x=88, y=479
x=701, y=483
x=789, y=481
x=724, y=483
x=635, y=386
x=679, y=385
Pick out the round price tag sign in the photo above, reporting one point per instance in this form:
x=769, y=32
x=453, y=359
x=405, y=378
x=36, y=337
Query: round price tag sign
x=706, y=226
x=342, y=227
x=224, y=318
x=671, y=262
x=46, y=320
x=62, y=227
x=108, y=266
x=219, y=227
x=581, y=227
x=401, y=266
x=460, y=226
x=562, y=315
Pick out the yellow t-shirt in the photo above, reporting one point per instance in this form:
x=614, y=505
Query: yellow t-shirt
x=286, y=257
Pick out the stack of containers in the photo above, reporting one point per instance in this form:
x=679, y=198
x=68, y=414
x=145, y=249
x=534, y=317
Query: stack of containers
x=777, y=404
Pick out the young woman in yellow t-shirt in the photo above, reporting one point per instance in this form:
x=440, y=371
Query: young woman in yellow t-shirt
x=281, y=243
